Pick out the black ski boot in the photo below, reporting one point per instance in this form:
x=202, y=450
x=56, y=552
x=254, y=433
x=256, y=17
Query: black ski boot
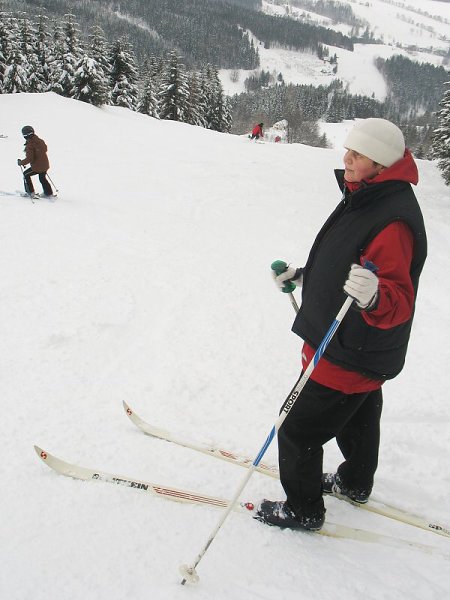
x=280, y=514
x=332, y=484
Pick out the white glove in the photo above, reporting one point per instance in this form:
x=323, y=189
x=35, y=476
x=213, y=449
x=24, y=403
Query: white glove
x=291, y=274
x=362, y=285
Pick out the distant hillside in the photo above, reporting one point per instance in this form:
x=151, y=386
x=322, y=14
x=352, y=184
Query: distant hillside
x=201, y=31
x=234, y=35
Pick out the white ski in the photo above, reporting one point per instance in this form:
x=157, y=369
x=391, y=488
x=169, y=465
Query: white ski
x=19, y=194
x=32, y=197
x=333, y=530
x=162, y=434
x=374, y=506
x=51, y=198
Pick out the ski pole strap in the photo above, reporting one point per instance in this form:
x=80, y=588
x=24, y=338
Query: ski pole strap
x=279, y=266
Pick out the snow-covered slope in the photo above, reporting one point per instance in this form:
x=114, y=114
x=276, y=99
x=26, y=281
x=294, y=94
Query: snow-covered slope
x=421, y=23
x=148, y=281
x=404, y=27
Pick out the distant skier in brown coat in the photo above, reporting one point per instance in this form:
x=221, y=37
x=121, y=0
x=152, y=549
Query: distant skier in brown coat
x=36, y=157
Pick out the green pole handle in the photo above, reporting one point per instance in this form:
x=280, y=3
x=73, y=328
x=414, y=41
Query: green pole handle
x=279, y=266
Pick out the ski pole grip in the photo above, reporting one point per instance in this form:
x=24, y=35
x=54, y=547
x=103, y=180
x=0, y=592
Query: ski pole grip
x=279, y=266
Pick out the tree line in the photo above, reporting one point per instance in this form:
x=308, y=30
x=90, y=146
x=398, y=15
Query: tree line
x=339, y=12
x=41, y=56
x=413, y=87
x=304, y=105
x=414, y=92
x=218, y=32
x=441, y=136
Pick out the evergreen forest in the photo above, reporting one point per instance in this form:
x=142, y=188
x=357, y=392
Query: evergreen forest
x=202, y=31
x=81, y=49
x=414, y=93
x=42, y=55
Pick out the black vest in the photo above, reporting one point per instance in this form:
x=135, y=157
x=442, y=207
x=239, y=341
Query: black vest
x=376, y=353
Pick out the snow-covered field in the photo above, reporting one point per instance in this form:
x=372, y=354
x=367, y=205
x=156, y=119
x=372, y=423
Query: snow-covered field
x=401, y=26
x=148, y=280
x=421, y=23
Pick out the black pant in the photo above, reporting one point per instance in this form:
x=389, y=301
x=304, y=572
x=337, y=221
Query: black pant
x=318, y=415
x=28, y=184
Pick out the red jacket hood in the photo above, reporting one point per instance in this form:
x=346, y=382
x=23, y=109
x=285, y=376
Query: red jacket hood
x=404, y=169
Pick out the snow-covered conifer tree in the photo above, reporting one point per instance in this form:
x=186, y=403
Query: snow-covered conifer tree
x=5, y=45
x=72, y=54
x=208, y=96
x=441, y=136
x=153, y=68
x=335, y=112
x=100, y=52
x=123, y=75
x=174, y=91
x=227, y=116
x=156, y=64
x=89, y=82
x=57, y=62
x=197, y=105
x=218, y=114
x=44, y=50
x=15, y=75
x=15, y=78
x=148, y=102
x=27, y=42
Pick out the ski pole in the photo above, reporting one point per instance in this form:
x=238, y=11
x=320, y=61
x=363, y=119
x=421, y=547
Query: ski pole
x=51, y=180
x=22, y=170
x=188, y=571
x=279, y=266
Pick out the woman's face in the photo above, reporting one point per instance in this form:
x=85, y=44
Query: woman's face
x=359, y=167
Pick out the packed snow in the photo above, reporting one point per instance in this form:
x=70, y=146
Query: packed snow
x=148, y=280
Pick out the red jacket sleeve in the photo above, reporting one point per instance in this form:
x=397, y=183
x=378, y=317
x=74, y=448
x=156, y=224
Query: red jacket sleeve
x=391, y=251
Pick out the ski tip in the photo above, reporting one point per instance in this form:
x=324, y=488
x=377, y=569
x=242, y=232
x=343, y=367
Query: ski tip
x=41, y=453
x=126, y=408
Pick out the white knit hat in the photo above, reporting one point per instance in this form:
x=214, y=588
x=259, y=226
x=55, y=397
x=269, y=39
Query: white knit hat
x=378, y=139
